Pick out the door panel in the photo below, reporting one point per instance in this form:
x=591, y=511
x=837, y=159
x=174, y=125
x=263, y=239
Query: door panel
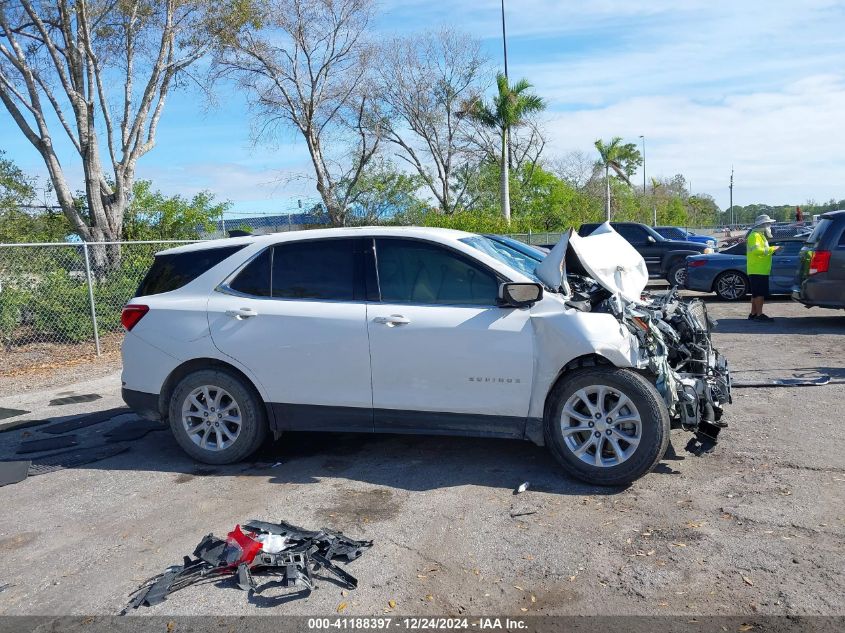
x=440, y=344
x=784, y=267
x=305, y=337
x=470, y=359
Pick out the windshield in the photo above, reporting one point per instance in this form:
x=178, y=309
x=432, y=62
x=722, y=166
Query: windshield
x=508, y=255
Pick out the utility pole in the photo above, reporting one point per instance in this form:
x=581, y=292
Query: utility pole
x=504, y=39
x=732, y=195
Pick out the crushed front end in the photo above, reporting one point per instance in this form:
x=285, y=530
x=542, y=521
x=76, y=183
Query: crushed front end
x=602, y=272
x=691, y=375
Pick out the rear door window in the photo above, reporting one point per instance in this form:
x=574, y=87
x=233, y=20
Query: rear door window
x=172, y=271
x=318, y=269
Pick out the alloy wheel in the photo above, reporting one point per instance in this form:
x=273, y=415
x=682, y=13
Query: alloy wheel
x=731, y=286
x=211, y=417
x=601, y=426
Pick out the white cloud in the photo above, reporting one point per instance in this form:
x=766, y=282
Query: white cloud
x=786, y=146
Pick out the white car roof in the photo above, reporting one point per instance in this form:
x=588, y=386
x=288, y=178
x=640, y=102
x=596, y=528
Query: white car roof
x=431, y=233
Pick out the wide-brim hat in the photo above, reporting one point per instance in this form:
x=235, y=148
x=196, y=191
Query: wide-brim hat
x=762, y=220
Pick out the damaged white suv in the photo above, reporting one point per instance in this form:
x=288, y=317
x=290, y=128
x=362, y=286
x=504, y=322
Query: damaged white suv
x=428, y=331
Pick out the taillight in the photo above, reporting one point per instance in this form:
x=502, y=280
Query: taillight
x=819, y=262
x=695, y=263
x=132, y=314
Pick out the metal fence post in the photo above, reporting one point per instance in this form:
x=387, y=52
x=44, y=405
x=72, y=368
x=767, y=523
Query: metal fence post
x=91, y=295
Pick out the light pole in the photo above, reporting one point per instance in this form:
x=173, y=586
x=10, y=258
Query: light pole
x=504, y=39
x=732, y=195
x=643, y=139
x=653, y=206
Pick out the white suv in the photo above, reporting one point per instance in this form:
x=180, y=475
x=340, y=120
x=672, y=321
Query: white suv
x=414, y=330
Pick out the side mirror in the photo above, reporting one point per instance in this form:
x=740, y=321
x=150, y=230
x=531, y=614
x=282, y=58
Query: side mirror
x=519, y=295
x=650, y=239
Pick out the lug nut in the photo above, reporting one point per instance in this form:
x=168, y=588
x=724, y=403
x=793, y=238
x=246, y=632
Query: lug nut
x=598, y=415
x=598, y=434
x=608, y=431
x=590, y=424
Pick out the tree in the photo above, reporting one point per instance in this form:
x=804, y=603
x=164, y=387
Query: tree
x=152, y=216
x=509, y=109
x=305, y=65
x=21, y=219
x=623, y=159
x=383, y=193
x=67, y=63
x=422, y=81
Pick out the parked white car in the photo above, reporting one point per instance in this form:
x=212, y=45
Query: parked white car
x=419, y=330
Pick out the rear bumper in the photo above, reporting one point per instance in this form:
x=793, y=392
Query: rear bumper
x=144, y=404
x=819, y=292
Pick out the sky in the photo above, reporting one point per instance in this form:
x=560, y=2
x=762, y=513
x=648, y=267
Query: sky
x=757, y=85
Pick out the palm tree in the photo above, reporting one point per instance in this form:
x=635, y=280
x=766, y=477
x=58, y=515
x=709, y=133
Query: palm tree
x=613, y=155
x=509, y=108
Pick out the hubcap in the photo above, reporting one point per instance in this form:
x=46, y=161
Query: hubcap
x=211, y=417
x=601, y=426
x=731, y=287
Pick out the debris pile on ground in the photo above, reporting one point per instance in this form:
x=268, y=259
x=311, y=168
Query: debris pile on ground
x=288, y=554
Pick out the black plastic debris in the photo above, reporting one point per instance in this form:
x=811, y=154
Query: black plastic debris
x=286, y=555
x=83, y=421
x=13, y=472
x=133, y=429
x=88, y=397
x=783, y=382
x=75, y=457
x=11, y=413
x=46, y=444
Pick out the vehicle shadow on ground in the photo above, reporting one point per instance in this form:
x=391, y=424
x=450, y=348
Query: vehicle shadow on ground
x=406, y=462
x=809, y=325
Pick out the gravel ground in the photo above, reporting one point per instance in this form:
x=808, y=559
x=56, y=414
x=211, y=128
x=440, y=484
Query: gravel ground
x=757, y=527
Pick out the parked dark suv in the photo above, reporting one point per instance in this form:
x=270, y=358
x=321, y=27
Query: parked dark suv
x=820, y=280
x=664, y=258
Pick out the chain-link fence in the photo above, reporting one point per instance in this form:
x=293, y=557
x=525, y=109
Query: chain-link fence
x=60, y=302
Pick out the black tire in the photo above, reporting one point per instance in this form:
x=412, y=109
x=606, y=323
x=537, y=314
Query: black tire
x=253, y=418
x=731, y=285
x=678, y=275
x=653, y=433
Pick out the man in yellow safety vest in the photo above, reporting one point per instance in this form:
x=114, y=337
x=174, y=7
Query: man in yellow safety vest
x=758, y=264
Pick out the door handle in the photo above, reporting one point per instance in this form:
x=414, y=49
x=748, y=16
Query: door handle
x=392, y=321
x=241, y=313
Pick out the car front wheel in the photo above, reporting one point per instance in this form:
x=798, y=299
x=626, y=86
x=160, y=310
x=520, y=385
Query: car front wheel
x=606, y=426
x=216, y=417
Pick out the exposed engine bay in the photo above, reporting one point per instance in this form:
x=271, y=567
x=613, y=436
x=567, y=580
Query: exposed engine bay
x=674, y=334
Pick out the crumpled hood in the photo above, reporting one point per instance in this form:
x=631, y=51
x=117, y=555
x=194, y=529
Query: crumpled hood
x=605, y=255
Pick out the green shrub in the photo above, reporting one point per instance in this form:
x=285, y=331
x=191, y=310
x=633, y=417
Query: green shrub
x=61, y=308
x=13, y=302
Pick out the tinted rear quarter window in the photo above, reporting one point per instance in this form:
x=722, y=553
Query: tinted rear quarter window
x=254, y=278
x=172, y=271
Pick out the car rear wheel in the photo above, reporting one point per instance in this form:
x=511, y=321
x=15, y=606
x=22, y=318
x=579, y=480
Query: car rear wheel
x=606, y=426
x=731, y=286
x=678, y=275
x=216, y=417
